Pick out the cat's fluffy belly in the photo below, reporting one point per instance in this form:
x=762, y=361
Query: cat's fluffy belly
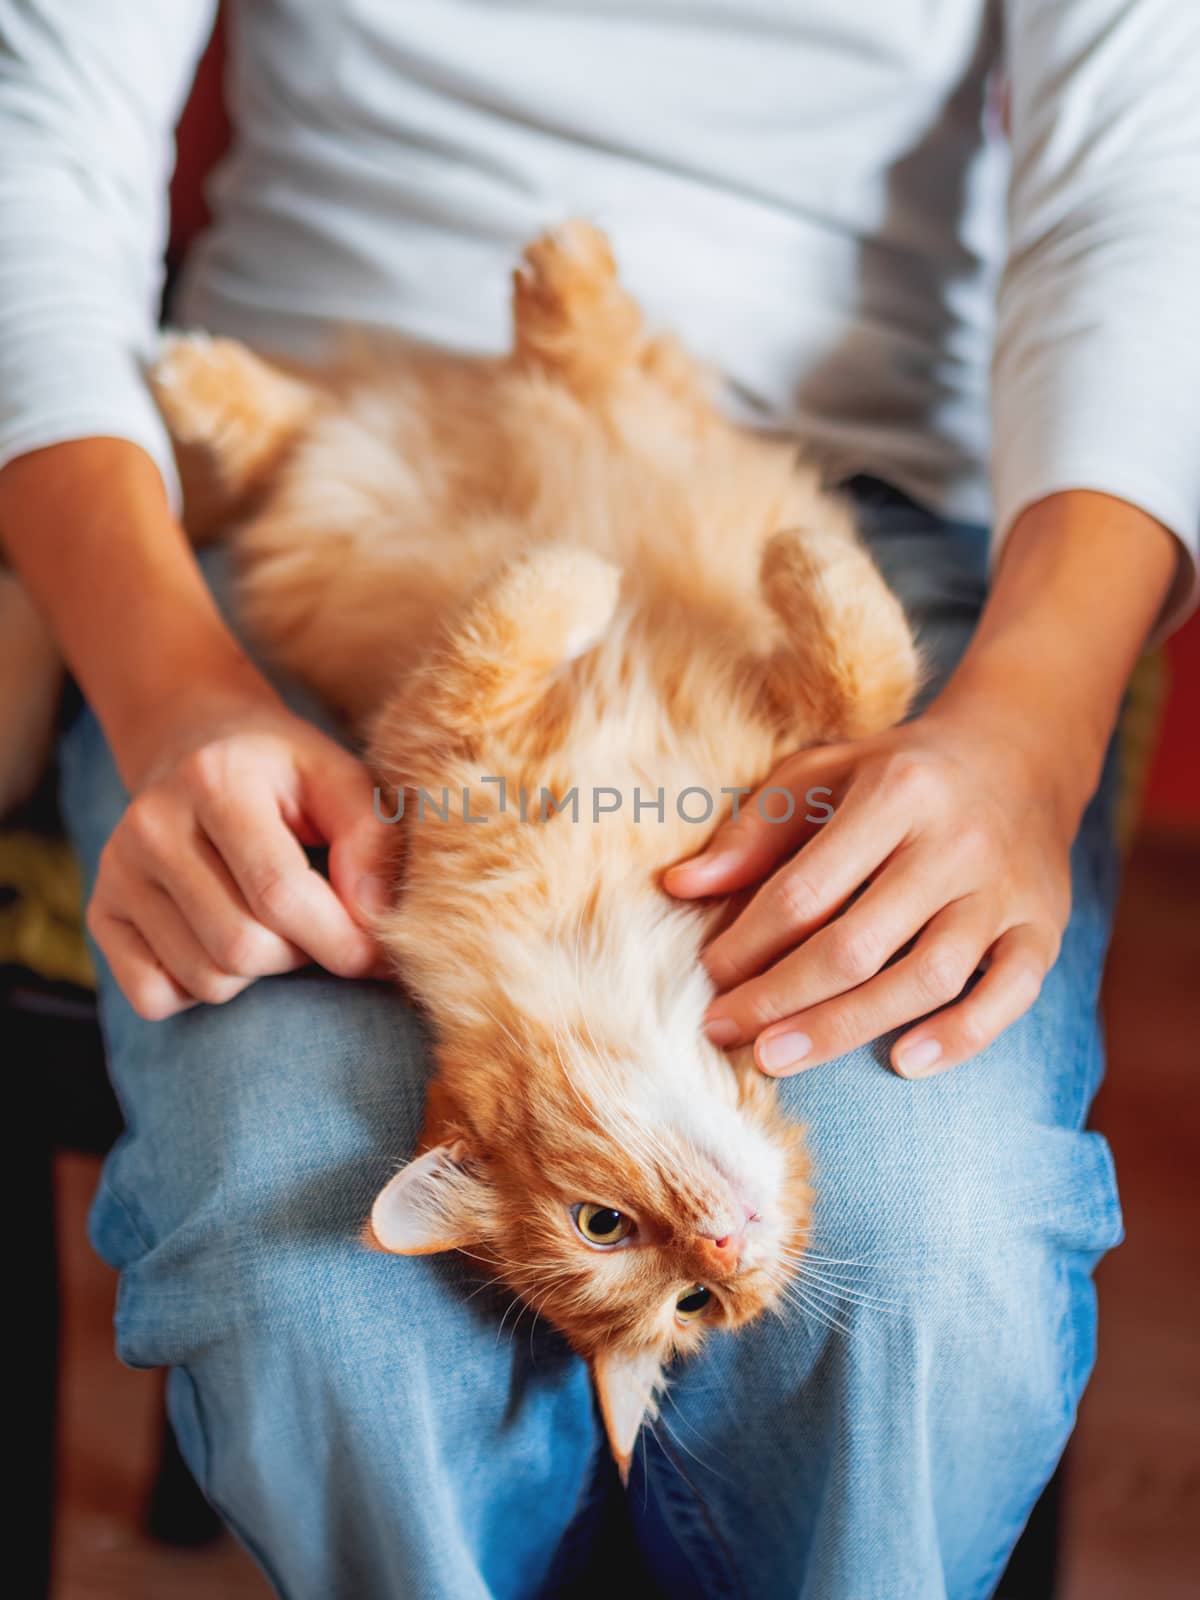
x=562, y=570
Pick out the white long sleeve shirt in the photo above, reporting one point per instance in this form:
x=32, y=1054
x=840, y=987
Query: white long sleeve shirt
x=813, y=193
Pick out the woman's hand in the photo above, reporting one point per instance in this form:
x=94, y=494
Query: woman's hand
x=953, y=831
x=204, y=885
x=956, y=845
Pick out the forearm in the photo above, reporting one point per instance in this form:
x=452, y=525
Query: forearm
x=1081, y=582
x=88, y=527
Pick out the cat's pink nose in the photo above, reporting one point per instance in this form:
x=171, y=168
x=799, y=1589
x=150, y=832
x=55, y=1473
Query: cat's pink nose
x=723, y=1251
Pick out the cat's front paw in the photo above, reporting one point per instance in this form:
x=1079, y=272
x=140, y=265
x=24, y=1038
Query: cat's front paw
x=563, y=598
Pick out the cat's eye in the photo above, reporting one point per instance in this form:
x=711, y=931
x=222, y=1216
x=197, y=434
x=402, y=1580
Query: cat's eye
x=693, y=1304
x=602, y=1224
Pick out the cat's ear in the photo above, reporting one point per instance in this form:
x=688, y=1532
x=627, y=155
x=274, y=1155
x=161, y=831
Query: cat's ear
x=435, y=1203
x=626, y=1383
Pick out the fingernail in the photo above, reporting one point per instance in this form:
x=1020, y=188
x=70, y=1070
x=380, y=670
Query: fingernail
x=721, y=1030
x=708, y=866
x=371, y=892
x=782, y=1052
x=917, y=1058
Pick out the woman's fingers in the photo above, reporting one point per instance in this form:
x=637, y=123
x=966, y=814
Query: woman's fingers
x=765, y=827
x=933, y=973
x=1019, y=961
x=922, y=843
x=839, y=957
x=212, y=905
x=141, y=977
x=247, y=828
x=809, y=889
x=205, y=885
x=184, y=959
x=339, y=798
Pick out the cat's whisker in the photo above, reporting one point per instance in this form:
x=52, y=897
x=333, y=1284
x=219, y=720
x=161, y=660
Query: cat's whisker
x=545, y=1286
x=885, y=1308
x=537, y=1311
x=799, y=1299
x=676, y=1440
x=650, y=1430
x=872, y=1263
x=802, y=1252
x=473, y=1255
x=846, y=1291
x=527, y=1304
x=821, y=1313
x=814, y=1315
x=488, y=1283
x=800, y=1261
x=545, y=1282
x=832, y=1297
x=515, y=1301
x=667, y=1395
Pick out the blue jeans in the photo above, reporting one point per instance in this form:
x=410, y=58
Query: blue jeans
x=367, y=1431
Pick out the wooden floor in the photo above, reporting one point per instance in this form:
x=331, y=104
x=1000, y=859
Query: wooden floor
x=1134, y=1492
x=1133, y=1524
x=110, y=1425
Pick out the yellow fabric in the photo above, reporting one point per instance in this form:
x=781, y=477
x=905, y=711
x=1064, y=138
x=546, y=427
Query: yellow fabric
x=41, y=927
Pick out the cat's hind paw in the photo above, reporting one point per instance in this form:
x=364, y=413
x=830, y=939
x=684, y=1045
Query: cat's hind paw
x=848, y=666
x=571, y=316
x=218, y=396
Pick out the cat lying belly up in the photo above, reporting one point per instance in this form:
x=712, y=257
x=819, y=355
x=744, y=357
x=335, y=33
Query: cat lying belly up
x=558, y=572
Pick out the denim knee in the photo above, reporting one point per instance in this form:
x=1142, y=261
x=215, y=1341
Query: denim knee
x=258, y=1134
x=957, y=1222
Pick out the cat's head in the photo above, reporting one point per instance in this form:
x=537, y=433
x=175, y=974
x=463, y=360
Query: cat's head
x=636, y=1209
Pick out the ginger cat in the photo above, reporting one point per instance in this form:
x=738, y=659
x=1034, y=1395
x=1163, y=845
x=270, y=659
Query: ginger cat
x=559, y=570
